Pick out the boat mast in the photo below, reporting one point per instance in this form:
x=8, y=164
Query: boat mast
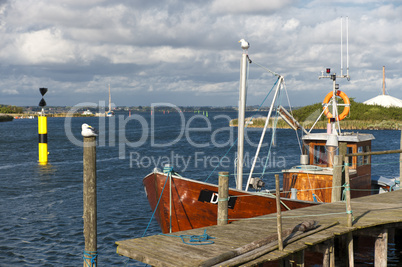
x=241, y=118
x=110, y=100
x=333, y=77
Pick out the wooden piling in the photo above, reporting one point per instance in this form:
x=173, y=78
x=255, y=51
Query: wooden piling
x=223, y=198
x=328, y=253
x=381, y=249
x=337, y=179
x=347, y=194
x=90, y=208
x=298, y=258
x=278, y=212
x=342, y=149
x=400, y=159
x=349, y=214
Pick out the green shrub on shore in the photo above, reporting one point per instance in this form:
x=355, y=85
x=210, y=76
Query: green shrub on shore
x=361, y=117
x=10, y=109
x=358, y=112
x=5, y=118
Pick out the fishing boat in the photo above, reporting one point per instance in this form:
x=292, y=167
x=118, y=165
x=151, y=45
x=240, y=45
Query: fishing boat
x=181, y=203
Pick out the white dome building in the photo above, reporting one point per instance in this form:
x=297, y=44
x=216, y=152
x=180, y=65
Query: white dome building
x=384, y=100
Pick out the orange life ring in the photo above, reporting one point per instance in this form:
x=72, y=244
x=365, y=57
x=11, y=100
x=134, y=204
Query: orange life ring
x=345, y=99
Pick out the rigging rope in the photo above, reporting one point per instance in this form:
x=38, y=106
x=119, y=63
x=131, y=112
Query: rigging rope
x=247, y=123
x=291, y=112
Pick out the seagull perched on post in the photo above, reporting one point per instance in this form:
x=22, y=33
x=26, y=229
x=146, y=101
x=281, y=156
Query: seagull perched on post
x=88, y=131
x=244, y=44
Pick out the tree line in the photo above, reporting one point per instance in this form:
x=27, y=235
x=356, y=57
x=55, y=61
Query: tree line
x=11, y=109
x=358, y=111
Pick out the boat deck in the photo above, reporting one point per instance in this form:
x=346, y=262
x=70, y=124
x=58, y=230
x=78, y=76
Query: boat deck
x=164, y=250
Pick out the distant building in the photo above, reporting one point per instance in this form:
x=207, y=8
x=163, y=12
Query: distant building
x=87, y=112
x=384, y=100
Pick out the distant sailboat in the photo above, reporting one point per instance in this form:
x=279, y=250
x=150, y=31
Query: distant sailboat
x=110, y=112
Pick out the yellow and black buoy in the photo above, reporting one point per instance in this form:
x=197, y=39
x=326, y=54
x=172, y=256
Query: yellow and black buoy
x=42, y=130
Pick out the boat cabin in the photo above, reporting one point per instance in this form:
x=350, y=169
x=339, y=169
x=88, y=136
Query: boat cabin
x=312, y=180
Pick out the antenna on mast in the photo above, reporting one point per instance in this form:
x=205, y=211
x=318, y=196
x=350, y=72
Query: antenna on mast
x=341, y=46
x=347, y=48
x=328, y=70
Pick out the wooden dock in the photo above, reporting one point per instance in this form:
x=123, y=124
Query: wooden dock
x=373, y=215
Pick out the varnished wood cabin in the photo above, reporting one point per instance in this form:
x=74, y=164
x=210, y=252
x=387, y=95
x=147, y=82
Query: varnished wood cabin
x=313, y=178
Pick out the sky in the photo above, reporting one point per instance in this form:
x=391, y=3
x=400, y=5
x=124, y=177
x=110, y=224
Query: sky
x=186, y=53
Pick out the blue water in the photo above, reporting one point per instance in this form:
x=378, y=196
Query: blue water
x=41, y=206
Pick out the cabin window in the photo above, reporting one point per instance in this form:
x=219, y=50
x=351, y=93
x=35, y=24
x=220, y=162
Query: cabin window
x=359, y=158
x=349, y=150
x=367, y=158
x=363, y=160
x=320, y=155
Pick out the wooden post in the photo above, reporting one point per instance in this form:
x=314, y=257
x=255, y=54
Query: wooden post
x=400, y=159
x=347, y=193
x=349, y=213
x=349, y=242
x=223, y=198
x=298, y=258
x=90, y=209
x=337, y=179
x=278, y=212
x=327, y=249
x=342, y=149
x=381, y=247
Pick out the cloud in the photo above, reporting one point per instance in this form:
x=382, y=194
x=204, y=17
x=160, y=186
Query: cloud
x=10, y=92
x=186, y=51
x=250, y=6
x=44, y=46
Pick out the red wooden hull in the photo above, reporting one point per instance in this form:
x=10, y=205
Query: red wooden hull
x=194, y=204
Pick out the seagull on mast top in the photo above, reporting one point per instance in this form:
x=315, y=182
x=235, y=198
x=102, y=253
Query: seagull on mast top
x=244, y=44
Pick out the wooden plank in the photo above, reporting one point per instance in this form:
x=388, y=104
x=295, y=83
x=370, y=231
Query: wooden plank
x=295, y=247
x=368, y=212
x=249, y=256
x=269, y=257
x=318, y=238
x=267, y=242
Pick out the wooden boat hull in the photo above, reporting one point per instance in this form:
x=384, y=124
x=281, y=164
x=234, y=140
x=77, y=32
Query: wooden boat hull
x=194, y=204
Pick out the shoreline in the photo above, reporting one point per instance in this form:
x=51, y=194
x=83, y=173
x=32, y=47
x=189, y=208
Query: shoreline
x=322, y=125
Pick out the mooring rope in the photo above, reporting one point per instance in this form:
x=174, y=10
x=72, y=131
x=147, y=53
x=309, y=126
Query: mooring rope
x=90, y=255
x=195, y=240
x=157, y=204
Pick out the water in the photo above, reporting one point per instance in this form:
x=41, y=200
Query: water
x=41, y=206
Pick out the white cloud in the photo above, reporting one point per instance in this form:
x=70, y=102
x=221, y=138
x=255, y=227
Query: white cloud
x=291, y=24
x=10, y=92
x=188, y=49
x=45, y=46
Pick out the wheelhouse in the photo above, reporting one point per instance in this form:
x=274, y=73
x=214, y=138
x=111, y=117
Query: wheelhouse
x=312, y=180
